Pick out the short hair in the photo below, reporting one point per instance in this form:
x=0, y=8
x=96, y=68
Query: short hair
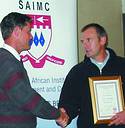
x=101, y=32
x=12, y=20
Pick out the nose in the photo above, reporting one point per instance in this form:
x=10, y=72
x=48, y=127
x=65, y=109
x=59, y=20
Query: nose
x=31, y=36
x=84, y=42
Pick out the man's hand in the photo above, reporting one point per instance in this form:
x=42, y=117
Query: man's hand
x=63, y=119
x=118, y=119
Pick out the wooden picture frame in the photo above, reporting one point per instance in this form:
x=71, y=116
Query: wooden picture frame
x=107, y=97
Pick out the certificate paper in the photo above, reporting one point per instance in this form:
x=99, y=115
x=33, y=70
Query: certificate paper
x=107, y=97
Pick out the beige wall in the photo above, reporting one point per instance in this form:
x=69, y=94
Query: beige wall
x=108, y=13
x=123, y=6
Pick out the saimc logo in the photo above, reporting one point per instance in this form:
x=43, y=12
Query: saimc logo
x=42, y=35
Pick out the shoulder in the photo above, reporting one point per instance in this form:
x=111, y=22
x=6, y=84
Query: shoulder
x=115, y=57
x=8, y=60
x=120, y=60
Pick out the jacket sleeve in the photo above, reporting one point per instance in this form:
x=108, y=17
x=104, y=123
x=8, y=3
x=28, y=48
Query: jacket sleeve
x=17, y=87
x=69, y=97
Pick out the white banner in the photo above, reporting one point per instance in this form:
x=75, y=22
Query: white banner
x=53, y=49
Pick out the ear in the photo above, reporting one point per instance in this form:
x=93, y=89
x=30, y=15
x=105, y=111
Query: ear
x=16, y=31
x=103, y=40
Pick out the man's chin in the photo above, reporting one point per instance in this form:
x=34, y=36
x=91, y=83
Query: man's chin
x=88, y=55
x=28, y=48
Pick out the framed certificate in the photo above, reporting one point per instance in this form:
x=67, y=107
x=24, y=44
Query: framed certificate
x=107, y=97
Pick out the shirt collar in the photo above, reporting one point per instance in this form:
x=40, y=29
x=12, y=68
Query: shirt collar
x=102, y=64
x=106, y=59
x=12, y=51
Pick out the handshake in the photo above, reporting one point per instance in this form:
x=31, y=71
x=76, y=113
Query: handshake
x=63, y=119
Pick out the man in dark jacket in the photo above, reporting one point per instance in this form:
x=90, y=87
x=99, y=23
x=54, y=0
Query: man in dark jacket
x=19, y=103
x=99, y=60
